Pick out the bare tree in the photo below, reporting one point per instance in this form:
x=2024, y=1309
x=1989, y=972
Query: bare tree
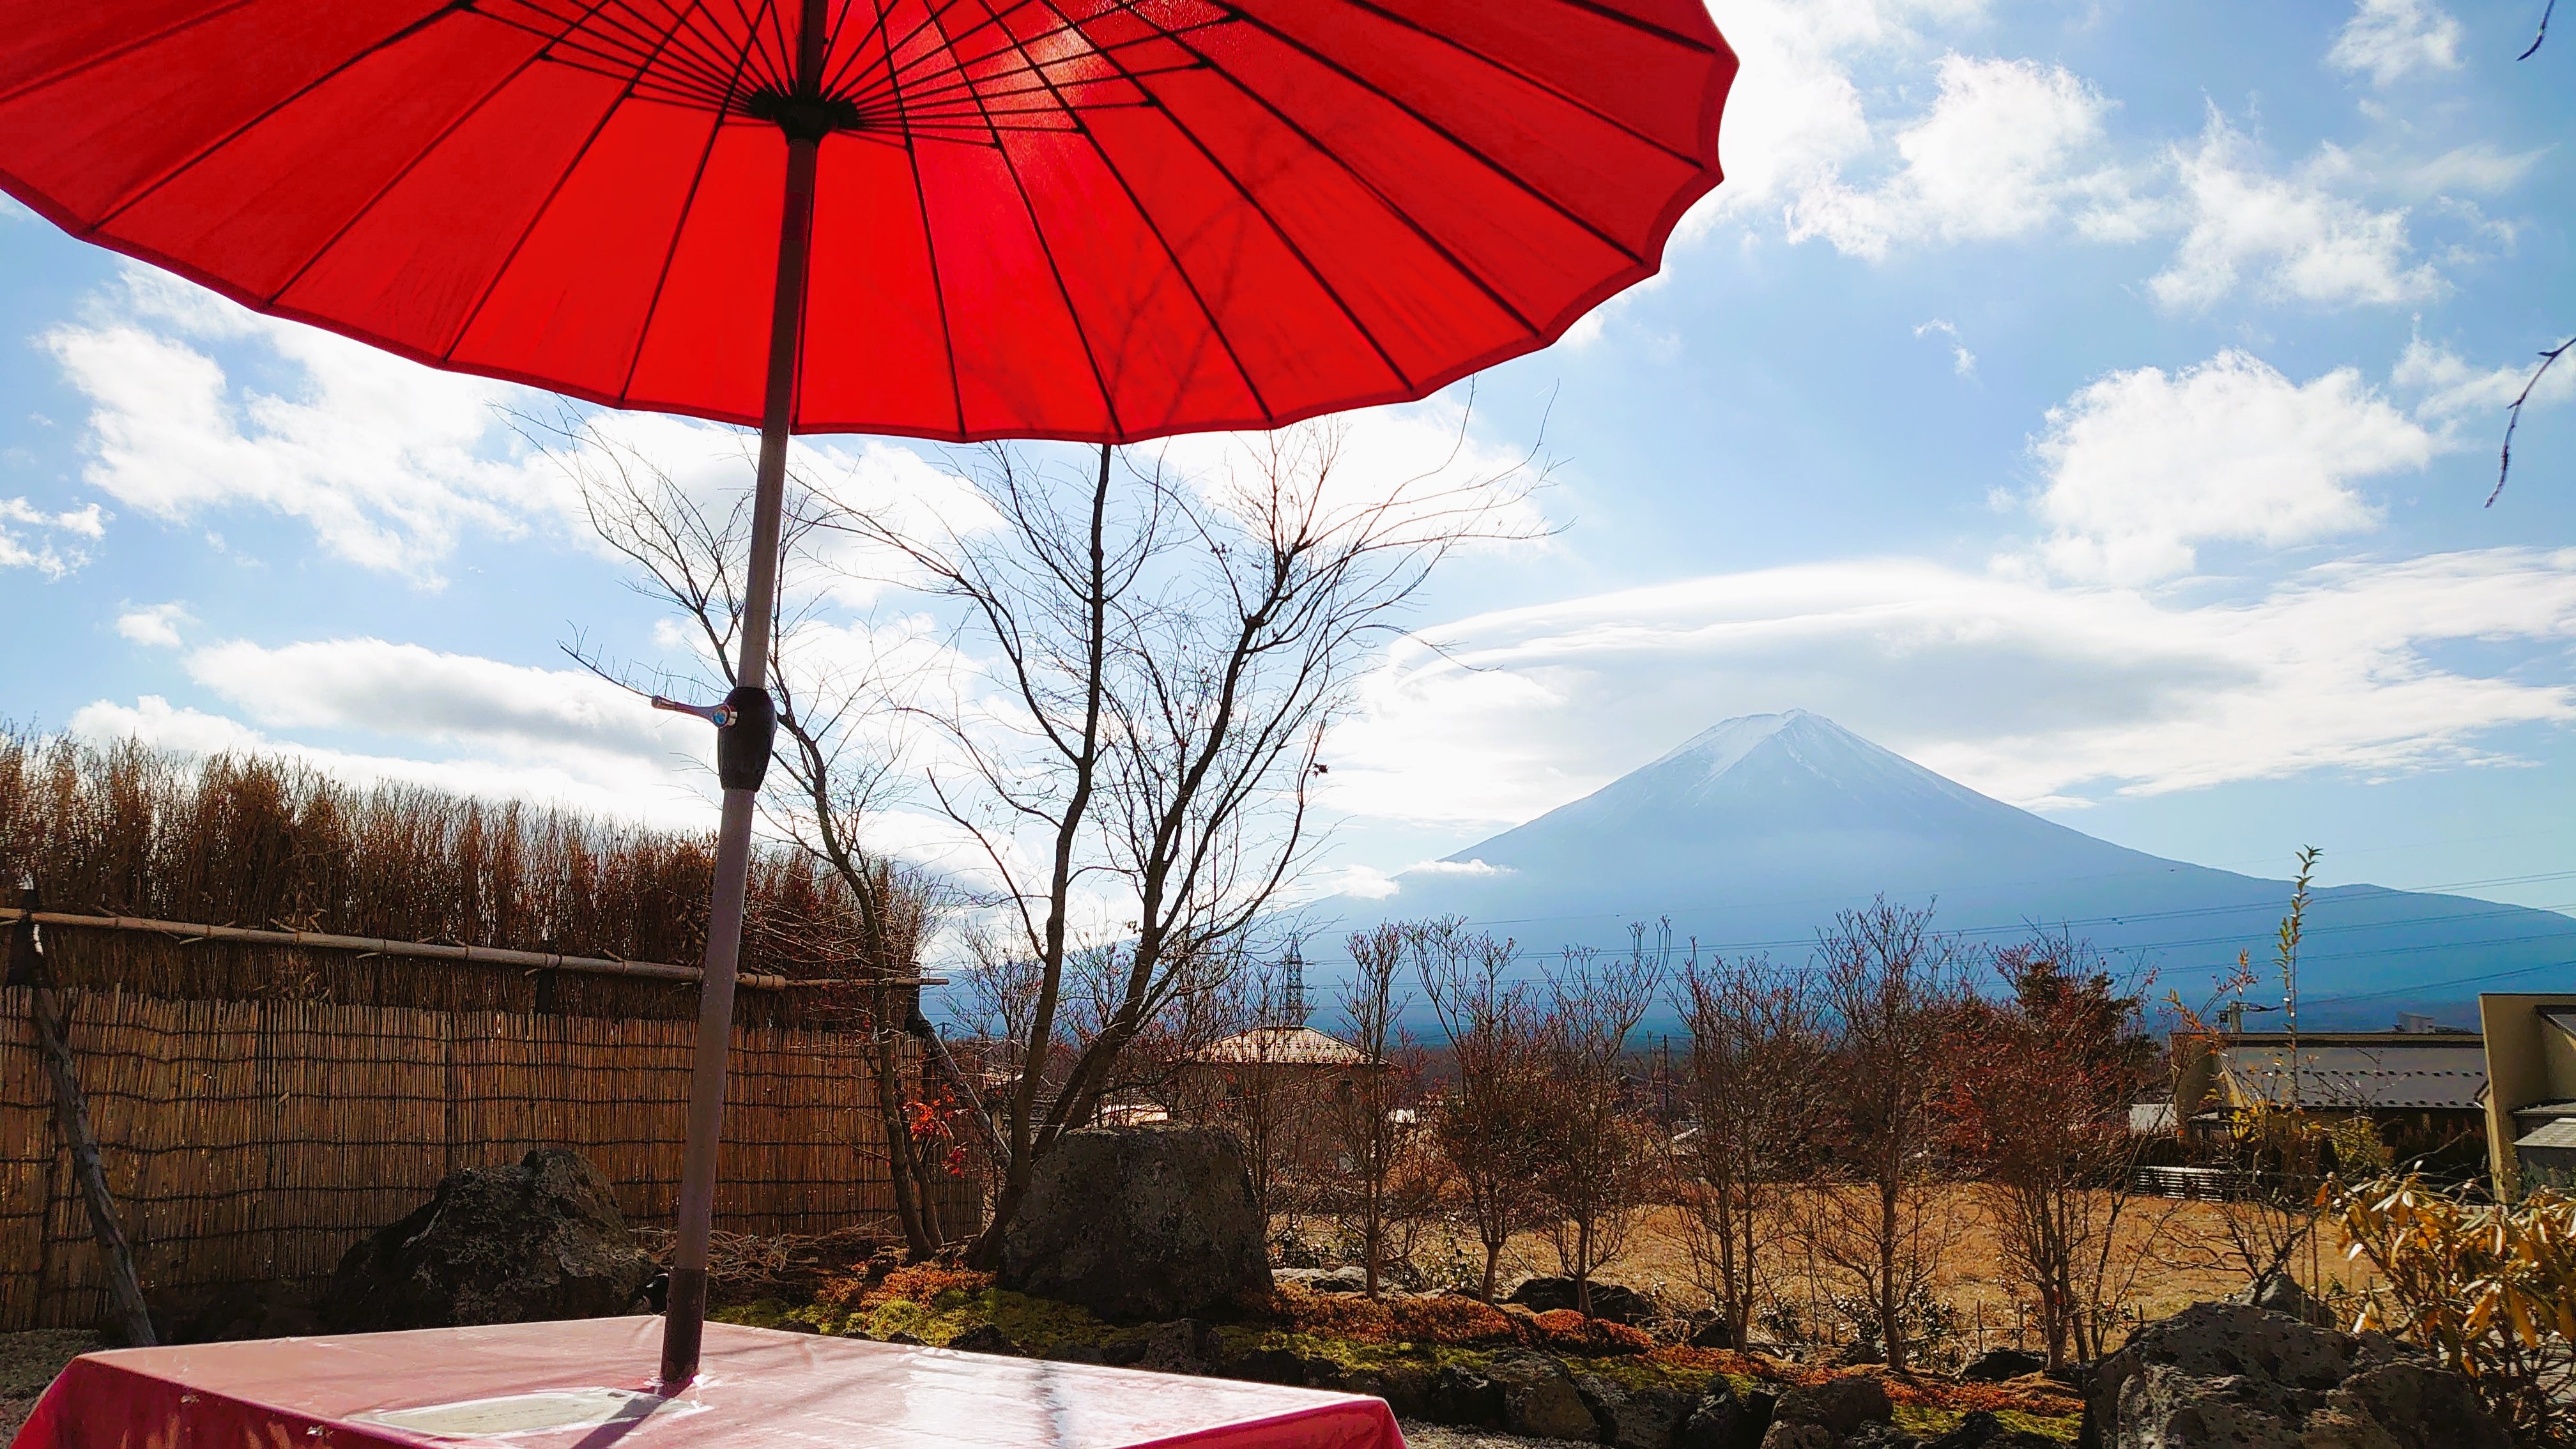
x=1489, y=1122
x=1756, y=1053
x=2042, y=1088
x=836, y=770
x=1891, y=986
x=1165, y=659
x=1599, y=1154
x=1379, y=1187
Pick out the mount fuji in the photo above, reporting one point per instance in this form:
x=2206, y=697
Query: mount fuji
x=1754, y=833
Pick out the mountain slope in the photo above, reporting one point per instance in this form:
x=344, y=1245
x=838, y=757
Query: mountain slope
x=1754, y=833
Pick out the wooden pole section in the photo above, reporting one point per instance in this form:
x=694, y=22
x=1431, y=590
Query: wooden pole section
x=742, y=745
x=377, y=946
x=71, y=1115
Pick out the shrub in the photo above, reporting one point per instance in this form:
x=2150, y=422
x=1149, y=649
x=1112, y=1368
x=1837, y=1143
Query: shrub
x=2489, y=1288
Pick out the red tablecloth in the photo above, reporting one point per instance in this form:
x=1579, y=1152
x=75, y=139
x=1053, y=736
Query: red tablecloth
x=577, y=1386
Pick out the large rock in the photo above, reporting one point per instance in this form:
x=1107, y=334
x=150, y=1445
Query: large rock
x=2238, y=1375
x=1722, y=1419
x=1996, y=1365
x=1847, y=1413
x=1609, y=1300
x=1540, y=1400
x=1647, y=1418
x=1139, y=1222
x=538, y=1241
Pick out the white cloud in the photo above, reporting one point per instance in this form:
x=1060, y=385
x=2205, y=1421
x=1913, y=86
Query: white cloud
x=2391, y=39
x=2286, y=236
x=1962, y=361
x=1795, y=115
x=386, y=460
x=607, y=786
x=2449, y=388
x=2144, y=465
x=1999, y=154
x=407, y=691
x=153, y=624
x=31, y=538
x=2041, y=694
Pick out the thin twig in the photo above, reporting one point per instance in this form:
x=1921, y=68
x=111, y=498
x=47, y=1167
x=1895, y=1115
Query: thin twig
x=2513, y=415
x=2543, y=33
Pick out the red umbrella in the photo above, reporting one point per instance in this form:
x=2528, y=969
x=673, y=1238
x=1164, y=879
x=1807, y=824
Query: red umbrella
x=1102, y=220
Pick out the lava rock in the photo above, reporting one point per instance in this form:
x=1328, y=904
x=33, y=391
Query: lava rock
x=1151, y=1222
x=1322, y=1280
x=1185, y=1346
x=1711, y=1332
x=1998, y=1364
x=1609, y=1300
x=1838, y=1406
x=2232, y=1373
x=985, y=1338
x=1464, y=1396
x=1540, y=1400
x=538, y=1241
x=1724, y=1420
x=1270, y=1366
x=1648, y=1418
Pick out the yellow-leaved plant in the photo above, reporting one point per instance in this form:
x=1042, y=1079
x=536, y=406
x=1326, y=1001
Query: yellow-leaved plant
x=2490, y=1288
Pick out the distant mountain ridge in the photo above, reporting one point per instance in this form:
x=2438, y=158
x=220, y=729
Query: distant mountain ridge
x=1753, y=833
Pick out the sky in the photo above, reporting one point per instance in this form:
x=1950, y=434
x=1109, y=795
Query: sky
x=2095, y=402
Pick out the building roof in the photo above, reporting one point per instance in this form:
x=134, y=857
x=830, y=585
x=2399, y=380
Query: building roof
x=2441, y=1073
x=2560, y=1133
x=1296, y=1046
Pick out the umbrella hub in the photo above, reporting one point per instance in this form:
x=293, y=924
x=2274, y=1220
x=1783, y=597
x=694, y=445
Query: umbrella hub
x=803, y=117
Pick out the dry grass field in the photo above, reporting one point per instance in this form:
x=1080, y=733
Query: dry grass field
x=2176, y=1250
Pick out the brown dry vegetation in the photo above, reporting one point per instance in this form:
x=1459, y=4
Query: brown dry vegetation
x=2175, y=1239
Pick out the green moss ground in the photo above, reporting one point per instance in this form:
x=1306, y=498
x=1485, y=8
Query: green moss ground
x=1043, y=1326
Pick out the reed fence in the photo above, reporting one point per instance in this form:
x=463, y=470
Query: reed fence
x=252, y=1141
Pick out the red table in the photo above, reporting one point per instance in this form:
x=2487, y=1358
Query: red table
x=580, y=1385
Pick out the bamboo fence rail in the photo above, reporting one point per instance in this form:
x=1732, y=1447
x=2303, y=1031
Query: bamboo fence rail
x=252, y=1141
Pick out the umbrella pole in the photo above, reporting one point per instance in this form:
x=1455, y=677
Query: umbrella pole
x=742, y=755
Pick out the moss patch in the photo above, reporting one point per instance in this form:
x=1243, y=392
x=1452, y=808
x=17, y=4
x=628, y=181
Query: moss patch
x=1350, y=1341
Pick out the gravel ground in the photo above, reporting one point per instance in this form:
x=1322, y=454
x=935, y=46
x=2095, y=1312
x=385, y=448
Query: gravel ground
x=1421, y=1435
x=28, y=1362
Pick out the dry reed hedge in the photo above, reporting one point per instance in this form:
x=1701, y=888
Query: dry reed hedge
x=253, y=1142
x=260, y=841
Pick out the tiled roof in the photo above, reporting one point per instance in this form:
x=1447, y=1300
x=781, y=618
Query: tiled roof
x=1301, y=1046
x=2439, y=1077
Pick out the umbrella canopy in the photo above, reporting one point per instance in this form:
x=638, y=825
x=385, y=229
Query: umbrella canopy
x=1086, y=219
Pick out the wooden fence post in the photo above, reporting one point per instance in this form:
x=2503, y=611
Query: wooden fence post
x=71, y=1113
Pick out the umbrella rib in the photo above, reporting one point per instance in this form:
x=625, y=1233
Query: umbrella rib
x=403, y=173
x=1606, y=12
x=1445, y=134
x=1492, y=294
x=145, y=191
x=1037, y=229
x=1151, y=225
x=1409, y=23
x=1349, y=313
x=553, y=193
x=113, y=53
x=929, y=247
x=679, y=228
